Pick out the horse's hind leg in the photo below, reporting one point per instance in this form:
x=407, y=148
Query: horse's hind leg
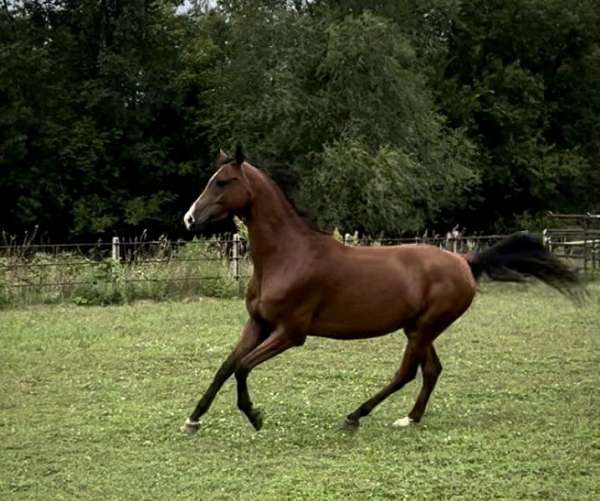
x=413, y=354
x=448, y=301
x=431, y=368
x=252, y=335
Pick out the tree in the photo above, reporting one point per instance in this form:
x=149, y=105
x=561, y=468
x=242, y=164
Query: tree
x=393, y=116
x=95, y=103
x=343, y=101
x=523, y=77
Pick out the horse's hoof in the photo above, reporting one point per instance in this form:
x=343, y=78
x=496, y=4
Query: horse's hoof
x=190, y=427
x=350, y=425
x=403, y=422
x=256, y=418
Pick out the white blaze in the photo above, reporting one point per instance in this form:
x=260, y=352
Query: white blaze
x=189, y=219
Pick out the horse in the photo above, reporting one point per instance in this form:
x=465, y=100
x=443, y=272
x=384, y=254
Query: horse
x=306, y=283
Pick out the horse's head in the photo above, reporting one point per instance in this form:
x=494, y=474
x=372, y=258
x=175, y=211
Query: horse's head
x=226, y=193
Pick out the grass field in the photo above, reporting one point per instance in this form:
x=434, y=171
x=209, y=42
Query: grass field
x=92, y=398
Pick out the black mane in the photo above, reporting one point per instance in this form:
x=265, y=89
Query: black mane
x=286, y=178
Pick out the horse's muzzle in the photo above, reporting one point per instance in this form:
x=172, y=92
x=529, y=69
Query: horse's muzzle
x=189, y=220
x=195, y=218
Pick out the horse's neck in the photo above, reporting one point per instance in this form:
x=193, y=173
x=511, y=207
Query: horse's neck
x=274, y=227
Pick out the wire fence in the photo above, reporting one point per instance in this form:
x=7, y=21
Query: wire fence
x=123, y=270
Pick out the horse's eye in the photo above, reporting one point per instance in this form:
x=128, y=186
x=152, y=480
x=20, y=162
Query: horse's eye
x=221, y=183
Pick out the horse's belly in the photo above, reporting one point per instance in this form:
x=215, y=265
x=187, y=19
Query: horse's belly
x=354, y=317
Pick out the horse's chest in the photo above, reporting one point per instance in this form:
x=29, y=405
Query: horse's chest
x=273, y=305
x=271, y=308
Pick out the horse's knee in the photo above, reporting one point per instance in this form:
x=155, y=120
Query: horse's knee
x=432, y=370
x=412, y=373
x=403, y=377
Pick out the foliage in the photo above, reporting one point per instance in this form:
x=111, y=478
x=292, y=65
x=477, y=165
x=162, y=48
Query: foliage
x=348, y=108
x=241, y=229
x=413, y=114
x=523, y=77
x=93, y=135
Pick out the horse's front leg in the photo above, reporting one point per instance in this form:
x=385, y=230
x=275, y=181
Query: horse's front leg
x=252, y=334
x=275, y=344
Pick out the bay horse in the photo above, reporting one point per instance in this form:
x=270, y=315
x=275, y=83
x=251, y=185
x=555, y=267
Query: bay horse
x=306, y=283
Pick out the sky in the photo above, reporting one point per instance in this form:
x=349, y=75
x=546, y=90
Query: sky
x=187, y=4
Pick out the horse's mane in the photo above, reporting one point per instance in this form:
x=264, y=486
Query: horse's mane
x=286, y=180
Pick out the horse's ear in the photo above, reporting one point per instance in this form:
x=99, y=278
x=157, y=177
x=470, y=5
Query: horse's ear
x=221, y=158
x=239, y=154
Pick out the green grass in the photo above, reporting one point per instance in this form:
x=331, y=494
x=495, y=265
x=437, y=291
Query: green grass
x=92, y=398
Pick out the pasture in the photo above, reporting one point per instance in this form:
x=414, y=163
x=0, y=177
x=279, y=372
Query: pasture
x=92, y=399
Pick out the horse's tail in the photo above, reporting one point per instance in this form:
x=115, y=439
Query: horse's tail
x=523, y=255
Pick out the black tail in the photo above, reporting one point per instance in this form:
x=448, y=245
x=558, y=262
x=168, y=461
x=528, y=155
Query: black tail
x=524, y=255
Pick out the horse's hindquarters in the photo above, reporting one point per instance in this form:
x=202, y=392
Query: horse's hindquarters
x=375, y=291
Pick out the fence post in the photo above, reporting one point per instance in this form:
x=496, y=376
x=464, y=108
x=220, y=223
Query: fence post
x=347, y=239
x=235, y=255
x=116, y=251
x=585, y=245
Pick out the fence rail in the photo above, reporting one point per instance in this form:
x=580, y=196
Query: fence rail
x=121, y=269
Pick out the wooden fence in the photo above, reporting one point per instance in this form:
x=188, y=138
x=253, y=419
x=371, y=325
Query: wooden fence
x=575, y=237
